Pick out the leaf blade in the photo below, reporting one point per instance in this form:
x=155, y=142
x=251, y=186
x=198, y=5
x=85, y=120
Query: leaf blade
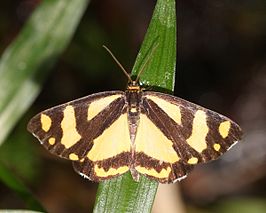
x=123, y=194
x=27, y=61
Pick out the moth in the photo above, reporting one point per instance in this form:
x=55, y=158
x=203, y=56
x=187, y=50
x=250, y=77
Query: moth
x=150, y=133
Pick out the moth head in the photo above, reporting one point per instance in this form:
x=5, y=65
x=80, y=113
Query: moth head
x=133, y=86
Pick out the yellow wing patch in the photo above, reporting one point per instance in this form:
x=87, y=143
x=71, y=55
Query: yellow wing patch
x=113, y=141
x=164, y=173
x=46, y=122
x=98, y=105
x=172, y=110
x=73, y=156
x=152, y=142
x=70, y=135
x=216, y=147
x=224, y=128
x=51, y=141
x=197, y=140
x=193, y=160
x=100, y=172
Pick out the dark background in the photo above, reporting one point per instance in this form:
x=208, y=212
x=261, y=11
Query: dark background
x=221, y=65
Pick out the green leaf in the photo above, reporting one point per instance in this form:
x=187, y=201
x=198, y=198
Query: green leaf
x=160, y=72
x=123, y=194
x=27, y=61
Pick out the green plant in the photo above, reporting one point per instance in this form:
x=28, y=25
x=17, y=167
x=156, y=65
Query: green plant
x=122, y=194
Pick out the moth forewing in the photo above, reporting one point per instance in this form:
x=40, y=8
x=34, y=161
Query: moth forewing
x=206, y=132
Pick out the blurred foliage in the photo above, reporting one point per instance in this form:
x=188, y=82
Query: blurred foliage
x=26, y=62
x=10, y=180
x=236, y=205
x=221, y=63
x=243, y=205
x=18, y=154
x=23, y=67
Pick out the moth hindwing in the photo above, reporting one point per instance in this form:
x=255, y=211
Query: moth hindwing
x=158, y=135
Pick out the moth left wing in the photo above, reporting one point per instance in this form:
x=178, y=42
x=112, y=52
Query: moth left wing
x=174, y=134
x=85, y=130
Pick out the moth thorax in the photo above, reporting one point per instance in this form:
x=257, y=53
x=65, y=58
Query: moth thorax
x=133, y=102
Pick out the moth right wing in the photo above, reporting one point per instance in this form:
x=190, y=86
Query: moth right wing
x=174, y=135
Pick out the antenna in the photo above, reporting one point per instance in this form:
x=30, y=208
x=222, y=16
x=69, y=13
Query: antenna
x=118, y=63
x=146, y=62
